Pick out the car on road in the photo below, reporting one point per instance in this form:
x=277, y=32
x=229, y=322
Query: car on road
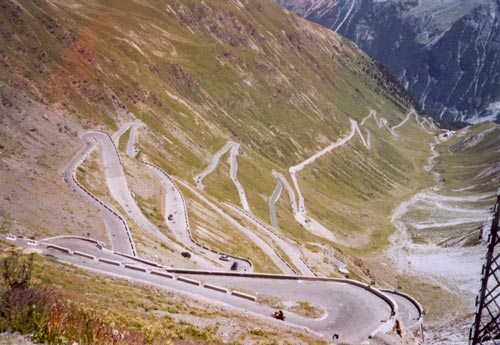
x=187, y=255
x=11, y=237
x=234, y=266
x=224, y=258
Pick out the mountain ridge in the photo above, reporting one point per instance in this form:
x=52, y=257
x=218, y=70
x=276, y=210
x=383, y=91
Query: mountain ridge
x=442, y=52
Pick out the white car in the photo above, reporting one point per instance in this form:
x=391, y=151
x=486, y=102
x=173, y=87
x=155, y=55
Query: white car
x=11, y=237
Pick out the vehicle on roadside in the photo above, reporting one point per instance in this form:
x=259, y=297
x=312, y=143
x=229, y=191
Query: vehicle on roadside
x=234, y=266
x=187, y=255
x=224, y=258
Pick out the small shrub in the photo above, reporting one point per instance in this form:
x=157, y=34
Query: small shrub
x=17, y=269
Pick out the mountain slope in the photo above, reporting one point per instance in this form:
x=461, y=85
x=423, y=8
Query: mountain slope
x=199, y=77
x=196, y=75
x=443, y=52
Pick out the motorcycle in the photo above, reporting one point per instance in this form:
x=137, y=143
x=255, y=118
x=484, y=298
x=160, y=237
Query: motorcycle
x=279, y=315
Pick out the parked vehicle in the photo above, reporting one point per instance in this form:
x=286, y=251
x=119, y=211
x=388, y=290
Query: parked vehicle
x=186, y=255
x=234, y=266
x=224, y=258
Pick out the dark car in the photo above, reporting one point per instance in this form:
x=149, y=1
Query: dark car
x=234, y=266
x=186, y=255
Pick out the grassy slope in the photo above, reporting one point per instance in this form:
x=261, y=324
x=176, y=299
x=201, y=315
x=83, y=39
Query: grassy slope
x=461, y=165
x=199, y=75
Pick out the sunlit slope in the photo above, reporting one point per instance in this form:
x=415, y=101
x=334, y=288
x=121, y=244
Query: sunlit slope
x=355, y=189
x=200, y=74
x=470, y=161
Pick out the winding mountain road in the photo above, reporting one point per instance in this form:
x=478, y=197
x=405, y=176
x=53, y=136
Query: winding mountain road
x=132, y=150
x=291, y=249
x=233, y=173
x=353, y=310
x=300, y=214
x=118, y=188
x=212, y=165
x=419, y=122
x=116, y=227
x=272, y=203
x=281, y=180
x=233, y=149
x=176, y=218
x=276, y=259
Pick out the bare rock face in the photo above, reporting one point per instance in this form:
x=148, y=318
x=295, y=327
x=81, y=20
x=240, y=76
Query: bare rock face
x=445, y=53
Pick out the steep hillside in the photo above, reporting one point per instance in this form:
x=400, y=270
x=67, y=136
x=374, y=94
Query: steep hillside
x=234, y=126
x=196, y=75
x=443, y=52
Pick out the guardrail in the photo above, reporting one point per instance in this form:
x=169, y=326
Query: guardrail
x=417, y=305
x=88, y=239
x=365, y=286
x=309, y=267
x=188, y=228
x=188, y=280
x=136, y=258
x=85, y=255
x=243, y=295
x=111, y=262
x=135, y=268
x=259, y=223
x=162, y=274
x=62, y=249
x=216, y=288
x=92, y=196
x=387, y=324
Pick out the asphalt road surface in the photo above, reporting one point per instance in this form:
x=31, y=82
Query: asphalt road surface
x=352, y=312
